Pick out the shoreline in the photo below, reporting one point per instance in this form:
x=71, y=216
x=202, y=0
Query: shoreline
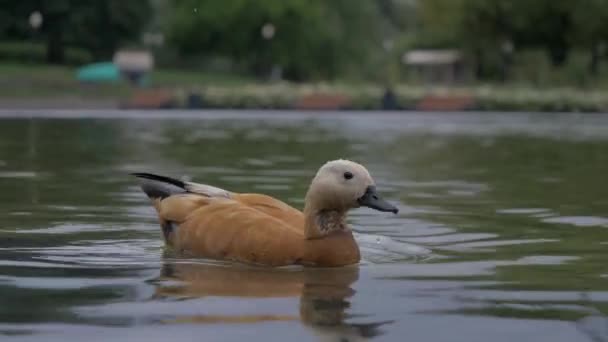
x=287, y=114
x=54, y=87
x=308, y=98
x=79, y=104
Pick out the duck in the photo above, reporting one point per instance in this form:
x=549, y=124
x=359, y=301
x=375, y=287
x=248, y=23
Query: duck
x=204, y=221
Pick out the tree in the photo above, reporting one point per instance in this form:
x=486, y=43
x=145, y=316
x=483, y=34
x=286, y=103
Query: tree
x=479, y=27
x=98, y=26
x=590, y=23
x=56, y=21
x=102, y=26
x=490, y=29
x=312, y=39
x=546, y=24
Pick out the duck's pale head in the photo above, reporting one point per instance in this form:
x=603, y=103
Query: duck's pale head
x=340, y=185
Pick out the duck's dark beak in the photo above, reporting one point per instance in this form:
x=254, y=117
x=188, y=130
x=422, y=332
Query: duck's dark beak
x=372, y=200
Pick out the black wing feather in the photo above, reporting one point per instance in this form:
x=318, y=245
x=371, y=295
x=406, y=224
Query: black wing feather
x=156, y=186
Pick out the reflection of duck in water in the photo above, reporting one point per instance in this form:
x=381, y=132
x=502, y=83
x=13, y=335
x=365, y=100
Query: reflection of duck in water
x=204, y=221
x=324, y=295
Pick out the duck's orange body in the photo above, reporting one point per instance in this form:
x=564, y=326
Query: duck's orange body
x=204, y=221
x=250, y=228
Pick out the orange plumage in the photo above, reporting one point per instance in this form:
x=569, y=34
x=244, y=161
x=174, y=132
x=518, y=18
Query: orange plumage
x=204, y=221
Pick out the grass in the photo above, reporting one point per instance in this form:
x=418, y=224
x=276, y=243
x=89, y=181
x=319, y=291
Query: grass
x=35, y=52
x=164, y=77
x=44, y=81
x=48, y=81
x=36, y=71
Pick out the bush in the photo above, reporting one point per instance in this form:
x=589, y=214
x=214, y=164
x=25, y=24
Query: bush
x=485, y=98
x=36, y=53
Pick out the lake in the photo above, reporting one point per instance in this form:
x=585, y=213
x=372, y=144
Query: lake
x=502, y=232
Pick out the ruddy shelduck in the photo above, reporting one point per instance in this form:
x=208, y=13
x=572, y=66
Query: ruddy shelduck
x=200, y=220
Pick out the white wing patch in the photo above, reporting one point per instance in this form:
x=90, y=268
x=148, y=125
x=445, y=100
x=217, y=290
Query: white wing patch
x=207, y=190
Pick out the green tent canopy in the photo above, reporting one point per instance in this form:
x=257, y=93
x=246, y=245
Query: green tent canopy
x=99, y=72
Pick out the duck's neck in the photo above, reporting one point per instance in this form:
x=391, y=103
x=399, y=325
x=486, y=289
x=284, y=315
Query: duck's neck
x=322, y=222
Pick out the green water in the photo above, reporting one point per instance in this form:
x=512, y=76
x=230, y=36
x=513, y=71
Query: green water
x=502, y=232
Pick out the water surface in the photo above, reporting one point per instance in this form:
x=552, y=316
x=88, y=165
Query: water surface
x=502, y=231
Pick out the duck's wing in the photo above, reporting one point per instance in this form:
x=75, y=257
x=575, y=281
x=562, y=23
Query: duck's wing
x=274, y=208
x=159, y=188
x=219, y=224
x=228, y=229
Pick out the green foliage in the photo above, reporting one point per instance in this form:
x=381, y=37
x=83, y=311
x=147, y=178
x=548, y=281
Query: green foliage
x=313, y=39
x=442, y=23
x=485, y=29
x=328, y=40
x=122, y=22
x=96, y=26
x=36, y=53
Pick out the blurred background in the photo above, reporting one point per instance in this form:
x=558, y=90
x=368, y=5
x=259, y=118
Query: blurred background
x=542, y=55
x=502, y=227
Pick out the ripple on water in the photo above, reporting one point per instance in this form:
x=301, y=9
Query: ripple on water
x=579, y=221
x=377, y=249
x=59, y=283
x=449, y=248
x=21, y=213
x=74, y=227
x=258, y=162
x=86, y=253
x=447, y=239
x=460, y=269
x=19, y=174
x=523, y=211
x=492, y=245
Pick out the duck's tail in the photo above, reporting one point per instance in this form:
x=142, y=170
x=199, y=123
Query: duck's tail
x=160, y=187
x=156, y=186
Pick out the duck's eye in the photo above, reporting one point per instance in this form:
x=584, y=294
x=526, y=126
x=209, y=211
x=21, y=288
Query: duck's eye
x=348, y=175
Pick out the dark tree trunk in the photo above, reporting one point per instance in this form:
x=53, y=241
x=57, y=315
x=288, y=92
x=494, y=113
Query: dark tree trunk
x=55, y=49
x=505, y=65
x=55, y=22
x=594, y=61
x=557, y=44
x=479, y=64
x=558, y=54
